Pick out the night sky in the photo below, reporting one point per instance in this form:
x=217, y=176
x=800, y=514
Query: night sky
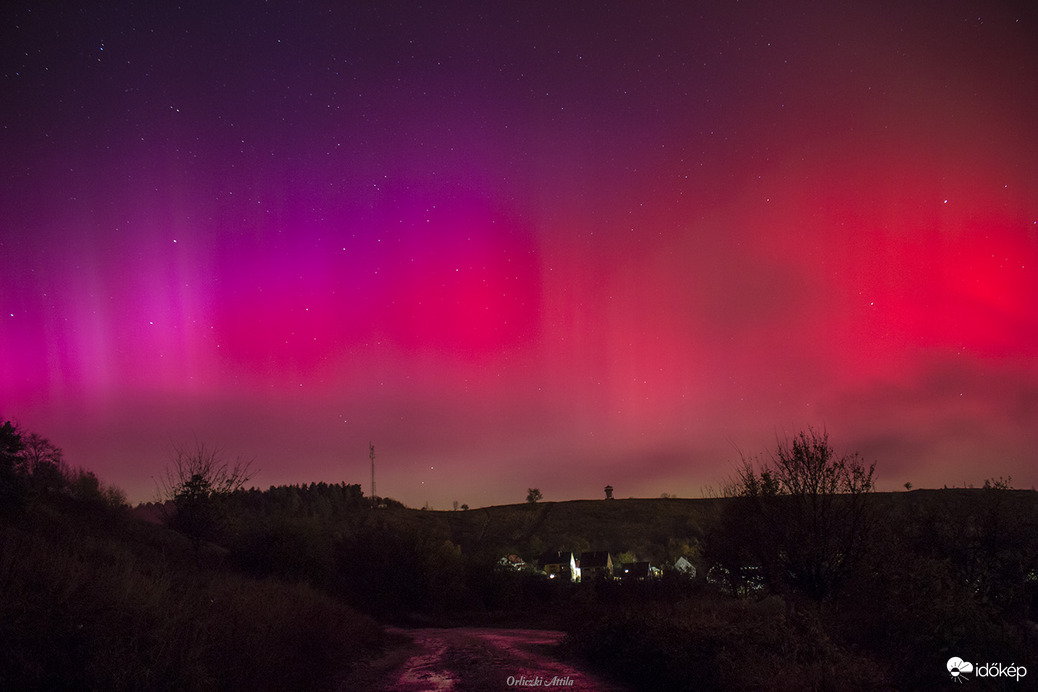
x=553, y=245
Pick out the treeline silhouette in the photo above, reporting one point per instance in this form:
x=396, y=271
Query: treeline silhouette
x=93, y=597
x=950, y=572
x=380, y=557
x=814, y=581
x=292, y=583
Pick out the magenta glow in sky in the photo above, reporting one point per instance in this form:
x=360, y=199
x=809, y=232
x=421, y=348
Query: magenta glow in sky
x=522, y=246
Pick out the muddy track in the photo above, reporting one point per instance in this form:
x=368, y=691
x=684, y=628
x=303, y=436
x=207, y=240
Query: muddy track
x=470, y=659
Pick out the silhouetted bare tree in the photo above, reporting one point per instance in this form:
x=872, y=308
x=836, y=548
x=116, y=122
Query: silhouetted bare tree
x=44, y=463
x=798, y=518
x=196, y=482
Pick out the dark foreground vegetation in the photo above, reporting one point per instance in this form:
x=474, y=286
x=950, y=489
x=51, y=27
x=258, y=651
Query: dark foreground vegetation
x=805, y=579
x=93, y=598
x=945, y=573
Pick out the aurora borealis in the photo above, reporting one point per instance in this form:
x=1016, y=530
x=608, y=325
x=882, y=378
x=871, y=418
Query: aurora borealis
x=552, y=245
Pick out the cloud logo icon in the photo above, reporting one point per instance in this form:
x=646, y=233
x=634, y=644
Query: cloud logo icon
x=958, y=668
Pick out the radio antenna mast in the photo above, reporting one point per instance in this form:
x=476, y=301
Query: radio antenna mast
x=372, y=455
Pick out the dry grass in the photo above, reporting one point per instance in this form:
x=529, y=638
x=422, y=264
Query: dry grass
x=720, y=644
x=88, y=610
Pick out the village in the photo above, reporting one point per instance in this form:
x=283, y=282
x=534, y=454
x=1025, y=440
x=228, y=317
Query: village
x=594, y=566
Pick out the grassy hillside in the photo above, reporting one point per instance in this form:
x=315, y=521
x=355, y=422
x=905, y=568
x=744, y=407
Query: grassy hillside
x=96, y=599
x=653, y=529
x=284, y=588
x=290, y=584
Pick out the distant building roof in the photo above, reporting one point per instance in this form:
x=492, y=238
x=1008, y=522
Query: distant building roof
x=683, y=565
x=513, y=561
x=555, y=557
x=595, y=559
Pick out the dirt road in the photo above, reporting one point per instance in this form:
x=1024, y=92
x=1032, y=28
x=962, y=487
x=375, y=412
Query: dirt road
x=465, y=659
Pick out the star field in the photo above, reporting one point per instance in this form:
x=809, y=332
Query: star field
x=521, y=246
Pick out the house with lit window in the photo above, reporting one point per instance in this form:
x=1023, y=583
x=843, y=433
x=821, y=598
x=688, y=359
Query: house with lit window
x=561, y=565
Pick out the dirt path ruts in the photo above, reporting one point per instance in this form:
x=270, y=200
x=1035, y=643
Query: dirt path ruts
x=465, y=659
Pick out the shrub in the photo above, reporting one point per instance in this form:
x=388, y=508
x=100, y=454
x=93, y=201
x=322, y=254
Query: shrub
x=91, y=606
x=718, y=644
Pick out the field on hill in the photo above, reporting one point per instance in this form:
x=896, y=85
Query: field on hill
x=659, y=530
x=808, y=588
